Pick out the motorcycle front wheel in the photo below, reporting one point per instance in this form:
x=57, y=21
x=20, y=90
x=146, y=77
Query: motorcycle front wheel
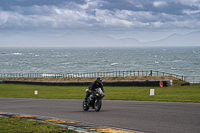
x=97, y=105
x=85, y=106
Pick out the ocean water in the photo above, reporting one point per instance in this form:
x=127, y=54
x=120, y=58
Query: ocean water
x=176, y=60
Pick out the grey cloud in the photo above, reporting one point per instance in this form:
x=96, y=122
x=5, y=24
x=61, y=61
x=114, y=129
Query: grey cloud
x=88, y=14
x=33, y=10
x=7, y=4
x=192, y=3
x=189, y=12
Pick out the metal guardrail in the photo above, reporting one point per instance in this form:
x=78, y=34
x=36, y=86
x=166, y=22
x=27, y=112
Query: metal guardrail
x=192, y=79
x=92, y=74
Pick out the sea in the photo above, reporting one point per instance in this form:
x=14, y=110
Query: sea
x=60, y=60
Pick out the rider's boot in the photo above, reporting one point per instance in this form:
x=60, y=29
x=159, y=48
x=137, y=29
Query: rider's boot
x=85, y=100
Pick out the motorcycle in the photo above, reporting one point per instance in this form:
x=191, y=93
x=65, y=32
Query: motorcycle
x=94, y=100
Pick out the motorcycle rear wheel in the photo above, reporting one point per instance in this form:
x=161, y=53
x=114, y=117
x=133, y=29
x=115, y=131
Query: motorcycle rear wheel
x=97, y=105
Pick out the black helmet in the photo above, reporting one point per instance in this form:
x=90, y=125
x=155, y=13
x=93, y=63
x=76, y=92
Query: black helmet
x=98, y=80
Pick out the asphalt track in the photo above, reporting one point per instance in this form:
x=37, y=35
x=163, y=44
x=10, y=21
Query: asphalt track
x=153, y=117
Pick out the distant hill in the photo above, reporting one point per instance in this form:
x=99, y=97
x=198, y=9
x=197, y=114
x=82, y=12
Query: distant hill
x=93, y=40
x=88, y=40
x=190, y=39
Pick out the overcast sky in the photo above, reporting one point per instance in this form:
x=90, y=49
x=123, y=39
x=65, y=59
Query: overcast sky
x=145, y=20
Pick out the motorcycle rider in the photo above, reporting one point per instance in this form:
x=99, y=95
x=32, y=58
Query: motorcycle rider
x=96, y=84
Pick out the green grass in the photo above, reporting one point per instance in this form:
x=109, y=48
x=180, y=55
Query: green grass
x=16, y=125
x=173, y=94
x=177, y=93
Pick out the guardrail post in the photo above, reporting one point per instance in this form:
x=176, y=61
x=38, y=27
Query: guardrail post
x=193, y=79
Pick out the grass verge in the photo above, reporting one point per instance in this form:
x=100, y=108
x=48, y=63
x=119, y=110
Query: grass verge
x=177, y=93
x=16, y=125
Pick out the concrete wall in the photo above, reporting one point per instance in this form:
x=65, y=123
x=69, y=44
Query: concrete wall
x=166, y=83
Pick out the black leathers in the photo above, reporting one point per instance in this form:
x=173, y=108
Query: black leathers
x=92, y=87
x=95, y=85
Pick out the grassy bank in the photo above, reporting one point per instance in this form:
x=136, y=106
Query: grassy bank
x=177, y=93
x=16, y=125
x=132, y=78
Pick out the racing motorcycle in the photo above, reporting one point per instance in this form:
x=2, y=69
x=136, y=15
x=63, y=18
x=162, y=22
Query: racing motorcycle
x=94, y=100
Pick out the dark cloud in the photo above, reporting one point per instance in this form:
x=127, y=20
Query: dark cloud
x=7, y=4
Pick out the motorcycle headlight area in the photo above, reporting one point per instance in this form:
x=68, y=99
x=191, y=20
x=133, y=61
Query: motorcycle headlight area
x=91, y=97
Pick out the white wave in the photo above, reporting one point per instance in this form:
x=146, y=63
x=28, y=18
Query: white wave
x=114, y=64
x=176, y=60
x=16, y=53
x=6, y=63
x=36, y=55
x=156, y=62
x=194, y=52
x=66, y=63
x=172, y=61
x=172, y=68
